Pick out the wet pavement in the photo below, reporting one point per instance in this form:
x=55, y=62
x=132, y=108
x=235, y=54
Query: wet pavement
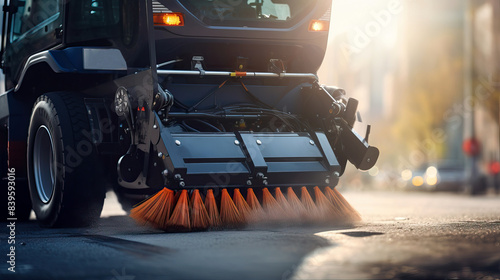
x=402, y=236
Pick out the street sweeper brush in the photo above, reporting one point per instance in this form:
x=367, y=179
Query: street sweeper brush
x=242, y=156
x=195, y=215
x=243, y=171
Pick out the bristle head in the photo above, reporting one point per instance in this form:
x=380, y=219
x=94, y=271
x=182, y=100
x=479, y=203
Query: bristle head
x=348, y=213
x=329, y=213
x=313, y=213
x=290, y=213
x=271, y=206
x=194, y=195
x=295, y=203
x=212, y=210
x=306, y=199
x=229, y=214
x=156, y=210
x=280, y=198
x=241, y=205
x=180, y=221
x=199, y=216
x=252, y=200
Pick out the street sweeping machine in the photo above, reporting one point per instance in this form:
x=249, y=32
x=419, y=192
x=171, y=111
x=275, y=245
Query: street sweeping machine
x=198, y=113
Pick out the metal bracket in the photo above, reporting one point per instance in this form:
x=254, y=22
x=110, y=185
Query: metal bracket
x=197, y=64
x=254, y=158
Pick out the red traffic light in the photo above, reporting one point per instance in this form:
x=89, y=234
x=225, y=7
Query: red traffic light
x=494, y=167
x=471, y=147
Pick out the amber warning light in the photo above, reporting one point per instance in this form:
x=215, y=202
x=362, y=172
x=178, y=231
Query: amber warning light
x=319, y=25
x=168, y=19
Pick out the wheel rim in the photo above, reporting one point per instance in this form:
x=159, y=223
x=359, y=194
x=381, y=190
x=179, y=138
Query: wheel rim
x=43, y=164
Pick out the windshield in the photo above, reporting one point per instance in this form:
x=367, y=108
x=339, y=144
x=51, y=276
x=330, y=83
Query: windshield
x=251, y=13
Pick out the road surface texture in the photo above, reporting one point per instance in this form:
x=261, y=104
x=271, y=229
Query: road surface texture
x=402, y=236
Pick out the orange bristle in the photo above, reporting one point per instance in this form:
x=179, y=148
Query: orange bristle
x=342, y=205
x=163, y=211
x=271, y=206
x=179, y=221
x=155, y=210
x=289, y=212
x=252, y=200
x=213, y=212
x=241, y=205
x=326, y=208
x=199, y=215
x=307, y=201
x=143, y=209
x=258, y=213
x=229, y=214
x=280, y=198
x=295, y=203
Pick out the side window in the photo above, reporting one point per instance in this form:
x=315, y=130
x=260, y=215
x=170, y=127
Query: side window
x=31, y=14
x=95, y=19
x=97, y=13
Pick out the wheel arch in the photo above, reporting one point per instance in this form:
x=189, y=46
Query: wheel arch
x=37, y=79
x=73, y=69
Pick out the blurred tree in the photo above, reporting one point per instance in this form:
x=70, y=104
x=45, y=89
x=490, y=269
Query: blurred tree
x=433, y=85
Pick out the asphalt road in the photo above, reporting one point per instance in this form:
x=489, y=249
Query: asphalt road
x=403, y=235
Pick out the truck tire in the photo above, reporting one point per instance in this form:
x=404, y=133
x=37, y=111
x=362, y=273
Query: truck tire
x=63, y=167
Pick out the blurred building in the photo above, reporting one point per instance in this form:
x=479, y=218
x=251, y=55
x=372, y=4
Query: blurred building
x=403, y=60
x=359, y=57
x=430, y=74
x=483, y=90
x=427, y=74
